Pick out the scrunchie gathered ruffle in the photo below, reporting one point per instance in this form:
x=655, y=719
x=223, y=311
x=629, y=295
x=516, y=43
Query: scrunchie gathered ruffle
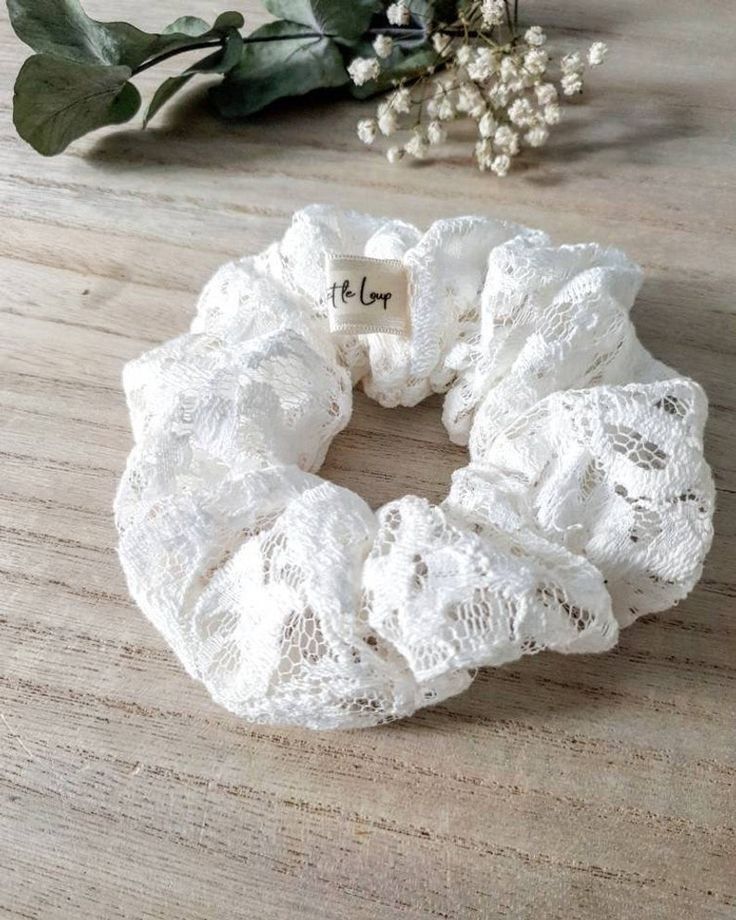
x=586, y=501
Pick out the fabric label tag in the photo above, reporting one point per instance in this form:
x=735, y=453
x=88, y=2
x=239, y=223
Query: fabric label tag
x=367, y=295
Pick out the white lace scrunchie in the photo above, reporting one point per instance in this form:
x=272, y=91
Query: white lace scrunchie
x=586, y=502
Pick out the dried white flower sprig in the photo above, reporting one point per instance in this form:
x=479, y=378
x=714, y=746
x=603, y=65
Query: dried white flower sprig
x=484, y=68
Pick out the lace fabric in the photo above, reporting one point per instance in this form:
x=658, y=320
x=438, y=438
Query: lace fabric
x=586, y=501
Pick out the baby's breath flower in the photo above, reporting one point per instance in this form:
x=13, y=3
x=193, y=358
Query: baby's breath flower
x=492, y=12
x=535, y=61
x=401, y=100
x=520, y=112
x=499, y=95
x=509, y=70
x=507, y=139
x=383, y=46
x=388, y=121
x=441, y=43
x=546, y=93
x=362, y=69
x=552, y=114
x=501, y=164
x=521, y=83
x=535, y=36
x=470, y=100
x=464, y=55
x=436, y=133
x=367, y=130
x=597, y=53
x=571, y=63
x=446, y=109
x=537, y=136
x=487, y=125
x=484, y=154
x=571, y=84
x=417, y=145
x=494, y=75
x=467, y=95
x=398, y=14
x=483, y=65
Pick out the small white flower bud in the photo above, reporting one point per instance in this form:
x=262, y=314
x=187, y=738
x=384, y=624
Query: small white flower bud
x=571, y=63
x=509, y=70
x=501, y=164
x=388, y=121
x=398, y=14
x=367, y=128
x=383, y=46
x=483, y=65
x=484, y=154
x=401, y=100
x=520, y=112
x=546, y=93
x=441, y=43
x=535, y=36
x=571, y=84
x=487, y=125
x=492, y=12
x=417, y=145
x=446, y=109
x=537, y=136
x=552, y=114
x=436, y=132
x=507, y=140
x=597, y=53
x=535, y=61
x=464, y=55
x=362, y=70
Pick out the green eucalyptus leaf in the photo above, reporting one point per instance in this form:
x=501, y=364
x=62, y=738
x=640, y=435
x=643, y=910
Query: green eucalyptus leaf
x=270, y=70
x=343, y=20
x=219, y=62
x=227, y=21
x=171, y=41
x=169, y=88
x=56, y=101
x=230, y=56
x=427, y=12
x=62, y=28
x=187, y=25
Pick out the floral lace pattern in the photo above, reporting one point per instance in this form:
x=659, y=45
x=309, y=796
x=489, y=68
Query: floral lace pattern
x=586, y=501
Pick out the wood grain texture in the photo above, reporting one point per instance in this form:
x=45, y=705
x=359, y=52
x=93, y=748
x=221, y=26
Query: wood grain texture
x=582, y=788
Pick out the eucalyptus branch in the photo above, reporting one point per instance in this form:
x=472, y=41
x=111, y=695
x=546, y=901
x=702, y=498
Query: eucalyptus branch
x=251, y=40
x=79, y=78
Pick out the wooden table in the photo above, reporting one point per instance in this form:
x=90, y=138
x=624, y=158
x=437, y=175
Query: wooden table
x=580, y=788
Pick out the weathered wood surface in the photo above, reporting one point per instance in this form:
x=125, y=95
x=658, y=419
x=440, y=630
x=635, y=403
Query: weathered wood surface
x=582, y=788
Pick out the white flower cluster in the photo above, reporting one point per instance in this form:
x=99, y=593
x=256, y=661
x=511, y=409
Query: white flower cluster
x=363, y=69
x=398, y=13
x=499, y=78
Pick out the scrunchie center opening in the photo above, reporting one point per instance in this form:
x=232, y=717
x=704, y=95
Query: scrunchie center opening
x=384, y=454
